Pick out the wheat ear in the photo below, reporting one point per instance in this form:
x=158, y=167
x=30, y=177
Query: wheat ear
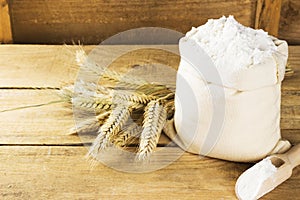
x=154, y=120
x=133, y=96
x=127, y=135
x=109, y=129
x=90, y=103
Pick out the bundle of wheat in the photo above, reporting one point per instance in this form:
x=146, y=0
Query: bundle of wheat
x=126, y=108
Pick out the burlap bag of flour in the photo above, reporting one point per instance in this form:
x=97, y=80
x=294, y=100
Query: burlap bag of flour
x=228, y=114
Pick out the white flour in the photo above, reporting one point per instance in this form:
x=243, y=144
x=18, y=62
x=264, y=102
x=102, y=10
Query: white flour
x=249, y=183
x=232, y=45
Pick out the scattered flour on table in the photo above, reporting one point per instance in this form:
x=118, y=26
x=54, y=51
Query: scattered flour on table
x=250, y=181
x=232, y=45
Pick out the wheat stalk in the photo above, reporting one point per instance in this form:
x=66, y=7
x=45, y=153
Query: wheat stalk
x=86, y=100
x=154, y=120
x=83, y=87
x=90, y=125
x=87, y=126
x=107, y=131
x=109, y=75
x=66, y=93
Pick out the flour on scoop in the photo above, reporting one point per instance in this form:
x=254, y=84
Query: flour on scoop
x=250, y=182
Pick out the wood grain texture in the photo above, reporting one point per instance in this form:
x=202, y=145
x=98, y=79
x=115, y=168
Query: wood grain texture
x=268, y=15
x=45, y=125
x=63, y=173
x=290, y=21
x=51, y=66
x=55, y=21
x=291, y=135
x=5, y=26
x=292, y=83
x=50, y=124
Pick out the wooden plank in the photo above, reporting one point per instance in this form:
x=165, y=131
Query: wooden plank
x=51, y=66
x=63, y=173
x=91, y=22
x=292, y=83
x=268, y=15
x=291, y=135
x=35, y=125
x=50, y=124
x=289, y=28
x=5, y=26
x=45, y=125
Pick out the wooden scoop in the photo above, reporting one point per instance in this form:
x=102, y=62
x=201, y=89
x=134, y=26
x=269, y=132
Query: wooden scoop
x=284, y=163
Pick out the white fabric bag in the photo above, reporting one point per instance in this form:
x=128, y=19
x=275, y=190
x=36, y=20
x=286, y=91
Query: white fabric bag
x=228, y=115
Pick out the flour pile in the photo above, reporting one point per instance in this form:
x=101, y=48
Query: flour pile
x=234, y=48
x=232, y=45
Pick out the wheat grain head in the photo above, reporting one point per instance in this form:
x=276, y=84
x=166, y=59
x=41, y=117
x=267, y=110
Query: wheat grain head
x=109, y=129
x=154, y=120
x=127, y=135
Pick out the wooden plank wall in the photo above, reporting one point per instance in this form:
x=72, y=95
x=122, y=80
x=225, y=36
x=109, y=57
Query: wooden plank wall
x=290, y=21
x=57, y=22
x=268, y=15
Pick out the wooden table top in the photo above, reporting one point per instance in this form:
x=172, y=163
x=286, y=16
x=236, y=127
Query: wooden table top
x=40, y=160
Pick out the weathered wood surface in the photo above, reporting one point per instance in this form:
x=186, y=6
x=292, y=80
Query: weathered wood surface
x=63, y=173
x=5, y=26
x=53, y=66
x=48, y=125
x=91, y=22
x=268, y=15
x=40, y=160
x=289, y=28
